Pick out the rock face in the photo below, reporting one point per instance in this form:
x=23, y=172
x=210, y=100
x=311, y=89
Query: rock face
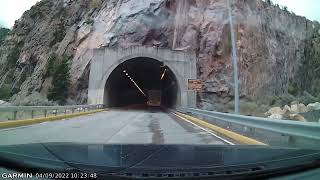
x=271, y=42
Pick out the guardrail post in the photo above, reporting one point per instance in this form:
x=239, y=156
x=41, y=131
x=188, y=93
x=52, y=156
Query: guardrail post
x=56, y=112
x=45, y=113
x=229, y=125
x=32, y=114
x=65, y=111
x=15, y=115
x=72, y=110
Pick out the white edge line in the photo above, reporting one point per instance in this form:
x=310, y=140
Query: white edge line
x=205, y=130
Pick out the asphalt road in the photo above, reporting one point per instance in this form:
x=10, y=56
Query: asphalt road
x=109, y=127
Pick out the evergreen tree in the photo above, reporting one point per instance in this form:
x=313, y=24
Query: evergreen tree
x=60, y=82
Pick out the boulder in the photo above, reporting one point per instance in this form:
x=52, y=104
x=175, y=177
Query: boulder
x=294, y=108
x=302, y=108
x=275, y=110
x=313, y=106
x=275, y=116
x=286, y=109
x=297, y=117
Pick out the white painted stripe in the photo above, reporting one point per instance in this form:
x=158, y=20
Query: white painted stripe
x=206, y=130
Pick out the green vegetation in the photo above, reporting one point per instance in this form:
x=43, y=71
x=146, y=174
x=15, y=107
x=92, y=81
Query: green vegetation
x=58, y=35
x=285, y=8
x=51, y=66
x=269, y=2
x=293, y=88
x=281, y=100
x=89, y=20
x=58, y=68
x=5, y=92
x=3, y=33
x=247, y=107
x=286, y=99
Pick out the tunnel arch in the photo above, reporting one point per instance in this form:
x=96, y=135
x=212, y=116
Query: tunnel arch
x=135, y=56
x=146, y=73
x=105, y=60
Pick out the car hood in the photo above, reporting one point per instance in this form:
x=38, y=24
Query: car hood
x=119, y=157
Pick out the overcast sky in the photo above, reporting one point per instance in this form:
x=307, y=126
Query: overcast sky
x=307, y=8
x=11, y=10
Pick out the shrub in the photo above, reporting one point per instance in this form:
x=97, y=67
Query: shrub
x=89, y=21
x=5, y=92
x=281, y=100
x=293, y=88
x=58, y=35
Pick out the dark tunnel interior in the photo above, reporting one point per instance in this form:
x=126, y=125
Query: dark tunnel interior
x=131, y=81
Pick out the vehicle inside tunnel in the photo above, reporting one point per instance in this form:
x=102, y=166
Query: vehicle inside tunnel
x=135, y=81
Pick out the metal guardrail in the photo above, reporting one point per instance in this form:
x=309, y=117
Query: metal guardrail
x=54, y=110
x=293, y=129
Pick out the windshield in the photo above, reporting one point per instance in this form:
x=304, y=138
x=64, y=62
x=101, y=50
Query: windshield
x=225, y=73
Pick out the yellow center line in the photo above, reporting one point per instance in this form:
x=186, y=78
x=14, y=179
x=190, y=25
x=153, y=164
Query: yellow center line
x=235, y=136
x=205, y=129
x=24, y=122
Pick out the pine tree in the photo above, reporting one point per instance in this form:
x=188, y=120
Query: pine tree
x=60, y=82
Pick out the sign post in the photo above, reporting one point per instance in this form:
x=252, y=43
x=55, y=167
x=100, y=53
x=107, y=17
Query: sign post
x=234, y=61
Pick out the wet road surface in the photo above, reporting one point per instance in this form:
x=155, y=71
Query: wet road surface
x=112, y=127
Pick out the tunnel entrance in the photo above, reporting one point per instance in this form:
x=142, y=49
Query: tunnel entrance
x=131, y=81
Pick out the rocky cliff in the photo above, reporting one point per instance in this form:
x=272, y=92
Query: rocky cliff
x=277, y=50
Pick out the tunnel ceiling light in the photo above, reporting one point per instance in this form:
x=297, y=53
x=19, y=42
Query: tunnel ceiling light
x=135, y=84
x=139, y=88
x=164, y=72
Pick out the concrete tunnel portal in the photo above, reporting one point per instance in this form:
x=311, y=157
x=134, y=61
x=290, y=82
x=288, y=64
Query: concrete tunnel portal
x=111, y=86
x=129, y=83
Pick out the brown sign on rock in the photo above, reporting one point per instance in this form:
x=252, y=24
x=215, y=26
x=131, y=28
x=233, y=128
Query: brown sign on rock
x=194, y=84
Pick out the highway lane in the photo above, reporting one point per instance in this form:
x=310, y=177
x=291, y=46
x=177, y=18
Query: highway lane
x=115, y=126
